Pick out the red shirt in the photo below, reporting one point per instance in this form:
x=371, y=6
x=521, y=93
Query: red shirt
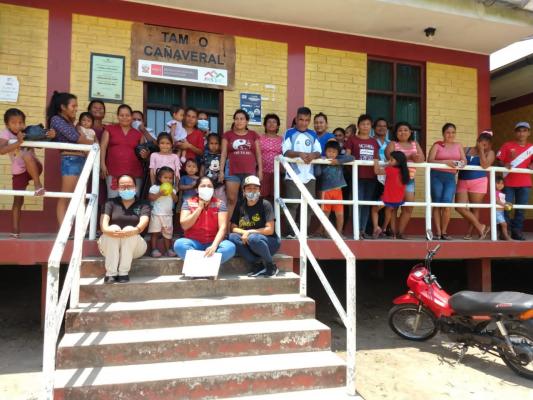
x=364, y=149
x=196, y=138
x=120, y=157
x=241, y=152
x=507, y=153
x=206, y=226
x=394, y=190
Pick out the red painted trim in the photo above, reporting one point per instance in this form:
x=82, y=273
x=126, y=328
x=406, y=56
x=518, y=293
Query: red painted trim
x=517, y=102
x=483, y=96
x=295, y=79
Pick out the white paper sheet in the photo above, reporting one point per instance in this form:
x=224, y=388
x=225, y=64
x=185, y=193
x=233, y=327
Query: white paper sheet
x=197, y=265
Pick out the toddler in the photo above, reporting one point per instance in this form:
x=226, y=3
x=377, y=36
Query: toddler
x=85, y=126
x=176, y=129
x=162, y=205
x=211, y=165
x=188, y=182
x=500, y=214
x=25, y=166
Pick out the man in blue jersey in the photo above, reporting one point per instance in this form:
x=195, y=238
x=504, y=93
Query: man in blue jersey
x=301, y=142
x=320, y=122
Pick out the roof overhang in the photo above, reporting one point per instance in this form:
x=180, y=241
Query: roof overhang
x=466, y=25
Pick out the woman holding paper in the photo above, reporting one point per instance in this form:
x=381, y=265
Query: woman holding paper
x=252, y=227
x=204, y=219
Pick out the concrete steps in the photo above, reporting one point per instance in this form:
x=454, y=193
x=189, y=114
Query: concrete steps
x=161, y=336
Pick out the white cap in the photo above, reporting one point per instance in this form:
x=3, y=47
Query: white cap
x=251, y=180
x=522, y=124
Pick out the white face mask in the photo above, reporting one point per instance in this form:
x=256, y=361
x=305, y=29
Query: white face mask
x=136, y=124
x=205, y=193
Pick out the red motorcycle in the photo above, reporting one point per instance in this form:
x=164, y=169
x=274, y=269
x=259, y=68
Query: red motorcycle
x=500, y=323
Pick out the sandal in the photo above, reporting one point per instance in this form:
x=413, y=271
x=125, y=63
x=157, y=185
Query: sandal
x=401, y=236
x=14, y=235
x=155, y=253
x=378, y=232
x=40, y=192
x=445, y=236
x=170, y=253
x=485, y=232
x=468, y=236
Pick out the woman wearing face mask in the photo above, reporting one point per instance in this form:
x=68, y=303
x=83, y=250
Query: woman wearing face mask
x=252, y=227
x=123, y=220
x=204, y=220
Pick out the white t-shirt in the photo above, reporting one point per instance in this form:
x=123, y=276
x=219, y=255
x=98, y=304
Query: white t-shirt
x=163, y=205
x=305, y=142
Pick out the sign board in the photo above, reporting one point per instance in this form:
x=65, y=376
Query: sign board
x=197, y=265
x=107, y=78
x=251, y=103
x=161, y=54
x=9, y=88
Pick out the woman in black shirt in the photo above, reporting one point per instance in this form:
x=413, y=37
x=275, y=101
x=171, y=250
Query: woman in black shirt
x=252, y=227
x=123, y=220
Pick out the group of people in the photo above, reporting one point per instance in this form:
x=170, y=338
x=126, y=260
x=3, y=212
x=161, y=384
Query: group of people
x=222, y=186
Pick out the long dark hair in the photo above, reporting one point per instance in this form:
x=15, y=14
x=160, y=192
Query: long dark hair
x=54, y=107
x=397, y=126
x=402, y=164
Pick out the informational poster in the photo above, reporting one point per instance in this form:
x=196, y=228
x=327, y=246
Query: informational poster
x=107, y=78
x=9, y=88
x=251, y=103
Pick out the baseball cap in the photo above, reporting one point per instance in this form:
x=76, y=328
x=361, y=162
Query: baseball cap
x=522, y=124
x=251, y=180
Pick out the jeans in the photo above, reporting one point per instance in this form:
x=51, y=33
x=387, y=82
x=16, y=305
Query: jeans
x=366, y=190
x=226, y=248
x=516, y=195
x=292, y=192
x=259, y=247
x=442, y=186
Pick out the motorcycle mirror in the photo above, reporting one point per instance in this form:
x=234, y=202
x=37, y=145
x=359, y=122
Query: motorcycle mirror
x=429, y=235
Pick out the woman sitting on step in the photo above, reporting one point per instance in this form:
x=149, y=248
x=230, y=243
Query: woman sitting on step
x=252, y=227
x=123, y=220
x=204, y=220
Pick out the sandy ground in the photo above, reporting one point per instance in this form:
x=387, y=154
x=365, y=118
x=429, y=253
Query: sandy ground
x=388, y=367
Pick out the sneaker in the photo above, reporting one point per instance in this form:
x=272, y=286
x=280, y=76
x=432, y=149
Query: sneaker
x=261, y=272
x=290, y=237
x=258, y=266
x=517, y=236
x=271, y=269
x=123, y=279
x=110, y=279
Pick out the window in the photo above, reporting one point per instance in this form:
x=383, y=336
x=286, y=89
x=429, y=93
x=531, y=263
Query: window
x=394, y=92
x=160, y=97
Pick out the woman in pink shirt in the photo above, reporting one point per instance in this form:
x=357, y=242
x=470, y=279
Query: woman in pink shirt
x=443, y=184
x=270, y=148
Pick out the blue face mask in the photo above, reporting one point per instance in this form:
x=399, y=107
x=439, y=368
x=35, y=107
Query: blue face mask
x=203, y=124
x=127, y=194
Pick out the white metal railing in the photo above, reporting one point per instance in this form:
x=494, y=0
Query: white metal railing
x=348, y=316
x=81, y=214
x=427, y=203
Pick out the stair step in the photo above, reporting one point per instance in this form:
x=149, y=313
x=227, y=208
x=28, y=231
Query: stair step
x=204, y=379
x=93, y=267
x=91, y=317
x=94, y=290
x=96, y=349
x=317, y=394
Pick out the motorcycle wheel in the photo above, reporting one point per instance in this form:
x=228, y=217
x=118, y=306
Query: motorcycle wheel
x=521, y=365
x=402, y=320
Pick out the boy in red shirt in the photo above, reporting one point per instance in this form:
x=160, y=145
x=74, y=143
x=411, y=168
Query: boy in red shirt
x=517, y=154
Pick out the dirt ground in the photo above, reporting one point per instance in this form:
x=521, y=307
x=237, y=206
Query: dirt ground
x=388, y=367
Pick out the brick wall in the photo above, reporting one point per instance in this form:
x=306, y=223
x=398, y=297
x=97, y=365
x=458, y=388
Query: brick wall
x=335, y=84
x=260, y=67
x=23, y=53
x=503, y=123
x=101, y=35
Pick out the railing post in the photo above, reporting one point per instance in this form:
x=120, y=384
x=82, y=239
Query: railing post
x=351, y=325
x=303, y=240
x=95, y=192
x=49, y=344
x=77, y=251
x=277, y=211
x=492, y=188
x=427, y=195
x=355, y=199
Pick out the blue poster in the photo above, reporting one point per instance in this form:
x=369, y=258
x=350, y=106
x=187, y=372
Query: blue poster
x=251, y=103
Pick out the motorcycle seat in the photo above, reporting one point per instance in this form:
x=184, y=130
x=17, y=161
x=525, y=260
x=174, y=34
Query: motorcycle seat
x=479, y=303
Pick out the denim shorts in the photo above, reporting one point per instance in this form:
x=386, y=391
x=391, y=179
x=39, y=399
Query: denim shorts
x=410, y=187
x=442, y=186
x=500, y=216
x=72, y=165
x=239, y=178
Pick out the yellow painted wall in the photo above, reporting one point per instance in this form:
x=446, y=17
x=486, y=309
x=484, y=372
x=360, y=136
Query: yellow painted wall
x=260, y=67
x=101, y=35
x=23, y=53
x=503, y=123
x=335, y=84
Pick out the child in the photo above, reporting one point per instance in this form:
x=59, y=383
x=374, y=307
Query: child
x=176, y=129
x=85, y=126
x=162, y=204
x=211, y=165
x=517, y=154
x=164, y=158
x=396, y=179
x=500, y=214
x=188, y=182
x=24, y=164
x=332, y=181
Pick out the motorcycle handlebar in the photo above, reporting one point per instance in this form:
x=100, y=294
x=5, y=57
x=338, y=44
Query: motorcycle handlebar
x=431, y=253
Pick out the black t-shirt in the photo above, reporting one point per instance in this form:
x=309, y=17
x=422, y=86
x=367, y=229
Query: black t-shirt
x=254, y=217
x=122, y=216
